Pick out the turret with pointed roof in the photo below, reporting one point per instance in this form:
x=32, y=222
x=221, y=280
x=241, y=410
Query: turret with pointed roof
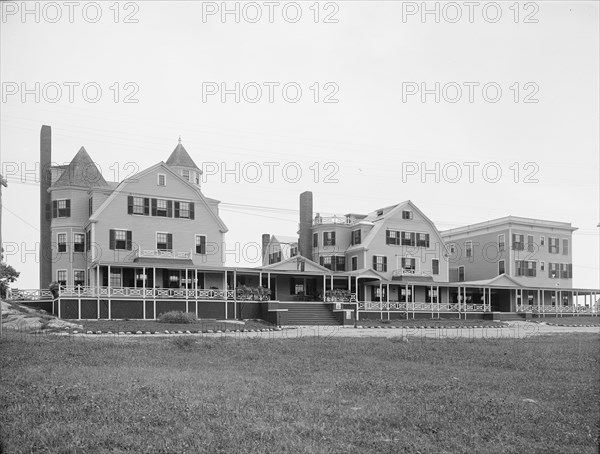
x=182, y=163
x=81, y=172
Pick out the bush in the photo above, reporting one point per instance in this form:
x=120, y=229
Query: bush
x=177, y=317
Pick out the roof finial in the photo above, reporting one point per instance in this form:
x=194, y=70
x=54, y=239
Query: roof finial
x=179, y=139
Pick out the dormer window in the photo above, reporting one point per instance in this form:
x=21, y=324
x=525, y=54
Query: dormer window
x=185, y=174
x=379, y=212
x=197, y=177
x=406, y=214
x=162, y=179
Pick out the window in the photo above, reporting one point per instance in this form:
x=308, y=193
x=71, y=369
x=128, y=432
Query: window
x=164, y=241
x=185, y=174
x=356, y=237
x=120, y=239
x=298, y=288
x=452, y=248
x=315, y=240
x=184, y=210
x=138, y=205
x=435, y=266
x=61, y=208
x=542, y=240
x=517, y=242
x=408, y=239
x=197, y=177
x=293, y=251
x=542, y=266
x=461, y=274
x=380, y=263
x=115, y=277
x=525, y=268
x=566, y=271
x=200, y=244
x=88, y=240
x=340, y=263
x=161, y=208
x=162, y=179
x=530, y=247
x=392, y=237
x=78, y=278
x=275, y=257
x=553, y=270
x=408, y=265
x=553, y=247
x=405, y=294
x=501, y=269
x=78, y=242
x=531, y=268
x=565, y=250
x=501, y=242
x=432, y=296
x=326, y=262
x=62, y=242
x=328, y=238
x=90, y=206
x=469, y=248
x=407, y=214
x=61, y=277
x=354, y=262
x=423, y=239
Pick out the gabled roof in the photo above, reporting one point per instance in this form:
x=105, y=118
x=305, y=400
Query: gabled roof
x=164, y=168
x=502, y=280
x=81, y=172
x=281, y=239
x=293, y=264
x=181, y=158
x=366, y=272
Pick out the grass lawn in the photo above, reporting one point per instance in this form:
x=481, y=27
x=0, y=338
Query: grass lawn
x=306, y=395
x=151, y=325
x=563, y=321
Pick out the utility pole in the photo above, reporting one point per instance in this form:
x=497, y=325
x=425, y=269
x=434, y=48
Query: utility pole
x=4, y=183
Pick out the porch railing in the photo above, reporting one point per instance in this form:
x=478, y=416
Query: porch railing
x=547, y=308
x=163, y=254
x=140, y=292
x=28, y=294
x=403, y=272
x=419, y=306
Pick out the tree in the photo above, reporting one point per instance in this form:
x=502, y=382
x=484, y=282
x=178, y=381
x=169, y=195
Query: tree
x=8, y=275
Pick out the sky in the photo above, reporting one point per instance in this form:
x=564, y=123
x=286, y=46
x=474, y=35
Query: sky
x=471, y=114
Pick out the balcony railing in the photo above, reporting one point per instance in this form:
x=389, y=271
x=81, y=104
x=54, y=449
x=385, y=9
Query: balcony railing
x=28, y=294
x=327, y=220
x=163, y=254
x=405, y=272
x=150, y=293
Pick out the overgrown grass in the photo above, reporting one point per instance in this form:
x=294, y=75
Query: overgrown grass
x=177, y=317
x=563, y=321
x=306, y=395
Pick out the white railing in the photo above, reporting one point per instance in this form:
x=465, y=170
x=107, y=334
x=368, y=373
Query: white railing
x=547, y=309
x=403, y=272
x=28, y=294
x=341, y=299
x=140, y=292
x=326, y=220
x=163, y=254
x=418, y=307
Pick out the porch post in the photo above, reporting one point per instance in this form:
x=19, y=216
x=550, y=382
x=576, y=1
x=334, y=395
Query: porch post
x=98, y=288
x=187, y=304
x=235, y=294
x=324, y=286
x=154, y=292
x=225, y=291
x=109, y=296
x=143, y=289
x=196, y=290
x=381, y=300
x=437, y=299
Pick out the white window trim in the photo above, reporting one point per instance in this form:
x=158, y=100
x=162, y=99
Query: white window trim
x=468, y=245
x=352, y=258
x=399, y=262
x=504, y=263
x=542, y=240
x=58, y=234
x=158, y=179
x=66, y=275
x=438, y=261
x=156, y=240
x=195, y=243
x=189, y=177
x=464, y=273
x=382, y=263
x=503, y=236
x=79, y=233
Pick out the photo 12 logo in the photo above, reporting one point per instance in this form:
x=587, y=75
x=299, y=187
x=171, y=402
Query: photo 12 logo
x=454, y=12
x=55, y=92
x=55, y=12
x=471, y=92
x=269, y=92
x=270, y=12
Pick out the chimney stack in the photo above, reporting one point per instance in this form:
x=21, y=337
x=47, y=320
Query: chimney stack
x=266, y=239
x=45, y=206
x=305, y=232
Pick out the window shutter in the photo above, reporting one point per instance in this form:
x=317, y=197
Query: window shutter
x=153, y=207
x=48, y=212
x=321, y=260
x=435, y=266
x=412, y=239
x=176, y=209
x=333, y=238
x=387, y=237
x=128, y=244
x=146, y=206
x=129, y=204
x=191, y=210
x=169, y=208
x=385, y=264
x=557, y=245
x=374, y=262
x=111, y=240
x=54, y=209
x=570, y=270
x=68, y=207
x=549, y=269
x=169, y=241
x=427, y=240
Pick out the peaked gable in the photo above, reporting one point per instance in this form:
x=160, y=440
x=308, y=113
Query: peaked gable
x=181, y=158
x=294, y=264
x=81, y=172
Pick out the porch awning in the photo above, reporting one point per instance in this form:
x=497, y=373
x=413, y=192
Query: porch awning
x=164, y=263
x=407, y=278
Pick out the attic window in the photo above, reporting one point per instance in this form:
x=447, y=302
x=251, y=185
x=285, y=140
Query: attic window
x=407, y=214
x=162, y=179
x=185, y=174
x=197, y=177
x=379, y=212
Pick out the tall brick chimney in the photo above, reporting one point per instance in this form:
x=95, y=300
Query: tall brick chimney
x=266, y=239
x=305, y=232
x=45, y=207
